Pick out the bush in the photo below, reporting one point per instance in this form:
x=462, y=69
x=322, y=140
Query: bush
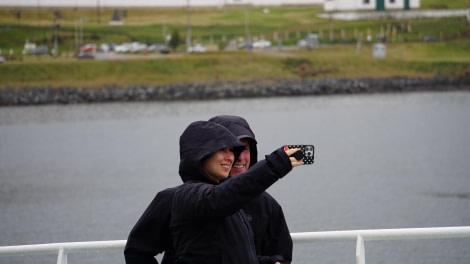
x=175, y=40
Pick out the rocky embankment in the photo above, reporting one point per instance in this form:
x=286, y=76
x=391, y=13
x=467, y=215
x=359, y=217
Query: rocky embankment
x=226, y=90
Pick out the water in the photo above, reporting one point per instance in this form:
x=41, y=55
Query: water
x=87, y=172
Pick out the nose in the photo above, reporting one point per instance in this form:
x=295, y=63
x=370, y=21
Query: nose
x=228, y=154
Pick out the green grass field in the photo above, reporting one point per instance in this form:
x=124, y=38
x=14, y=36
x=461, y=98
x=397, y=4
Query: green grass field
x=407, y=54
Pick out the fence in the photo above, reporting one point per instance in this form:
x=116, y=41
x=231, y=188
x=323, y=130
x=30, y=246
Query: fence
x=62, y=249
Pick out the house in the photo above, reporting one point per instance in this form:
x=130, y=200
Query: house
x=29, y=47
x=370, y=5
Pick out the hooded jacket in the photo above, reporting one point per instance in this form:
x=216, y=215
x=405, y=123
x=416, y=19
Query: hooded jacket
x=271, y=233
x=151, y=235
x=208, y=223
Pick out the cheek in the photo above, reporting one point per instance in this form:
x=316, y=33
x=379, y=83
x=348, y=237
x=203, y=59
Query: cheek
x=245, y=155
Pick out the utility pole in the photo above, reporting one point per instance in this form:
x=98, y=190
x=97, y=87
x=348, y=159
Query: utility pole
x=76, y=34
x=164, y=28
x=98, y=15
x=188, y=33
x=79, y=32
x=331, y=27
x=247, y=25
x=468, y=12
x=56, y=46
x=39, y=12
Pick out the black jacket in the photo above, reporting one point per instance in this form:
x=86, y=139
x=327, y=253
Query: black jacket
x=208, y=224
x=272, y=237
x=151, y=236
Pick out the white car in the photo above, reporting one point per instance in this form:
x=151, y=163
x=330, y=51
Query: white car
x=124, y=47
x=261, y=44
x=197, y=48
x=138, y=47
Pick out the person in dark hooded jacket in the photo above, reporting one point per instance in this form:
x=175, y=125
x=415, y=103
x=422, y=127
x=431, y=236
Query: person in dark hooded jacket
x=151, y=235
x=272, y=237
x=208, y=224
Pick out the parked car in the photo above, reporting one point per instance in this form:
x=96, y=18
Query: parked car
x=310, y=41
x=430, y=39
x=2, y=59
x=85, y=55
x=261, y=44
x=197, y=48
x=112, y=46
x=158, y=47
x=245, y=45
x=41, y=50
x=90, y=47
x=138, y=47
x=124, y=47
x=104, y=47
x=131, y=47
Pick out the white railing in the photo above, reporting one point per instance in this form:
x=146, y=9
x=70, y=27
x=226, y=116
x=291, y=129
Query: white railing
x=62, y=249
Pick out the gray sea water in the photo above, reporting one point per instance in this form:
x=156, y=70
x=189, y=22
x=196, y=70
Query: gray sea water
x=87, y=172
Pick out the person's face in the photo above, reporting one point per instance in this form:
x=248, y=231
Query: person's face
x=243, y=161
x=218, y=165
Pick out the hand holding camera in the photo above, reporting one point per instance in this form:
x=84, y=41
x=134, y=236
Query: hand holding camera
x=305, y=153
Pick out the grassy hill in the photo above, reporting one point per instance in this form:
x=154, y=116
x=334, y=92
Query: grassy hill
x=338, y=56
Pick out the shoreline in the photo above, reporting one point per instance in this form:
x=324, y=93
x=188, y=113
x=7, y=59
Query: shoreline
x=263, y=87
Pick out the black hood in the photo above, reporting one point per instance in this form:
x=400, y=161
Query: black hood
x=200, y=140
x=240, y=128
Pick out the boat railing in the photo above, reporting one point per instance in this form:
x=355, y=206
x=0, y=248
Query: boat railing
x=361, y=236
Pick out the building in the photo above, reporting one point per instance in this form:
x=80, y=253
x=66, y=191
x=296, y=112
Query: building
x=370, y=5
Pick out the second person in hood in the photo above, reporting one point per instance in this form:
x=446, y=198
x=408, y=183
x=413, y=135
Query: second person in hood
x=208, y=223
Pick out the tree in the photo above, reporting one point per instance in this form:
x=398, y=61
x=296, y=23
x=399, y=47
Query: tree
x=175, y=39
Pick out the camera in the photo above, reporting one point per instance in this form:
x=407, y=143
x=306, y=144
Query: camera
x=306, y=153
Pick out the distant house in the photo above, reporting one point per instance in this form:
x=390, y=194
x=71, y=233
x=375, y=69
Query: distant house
x=379, y=5
x=29, y=47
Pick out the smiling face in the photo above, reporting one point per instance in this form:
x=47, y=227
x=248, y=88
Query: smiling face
x=218, y=165
x=243, y=161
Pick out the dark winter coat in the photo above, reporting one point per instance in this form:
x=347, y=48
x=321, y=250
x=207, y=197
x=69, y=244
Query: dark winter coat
x=272, y=237
x=208, y=224
x=151, y=236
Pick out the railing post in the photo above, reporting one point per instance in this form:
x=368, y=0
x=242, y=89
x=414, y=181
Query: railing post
x=62, y=257
x=360, y=251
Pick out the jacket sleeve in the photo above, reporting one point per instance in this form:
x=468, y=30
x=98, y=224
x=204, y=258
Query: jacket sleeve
x=277, y=242
x=202, y=201
x=150, y=235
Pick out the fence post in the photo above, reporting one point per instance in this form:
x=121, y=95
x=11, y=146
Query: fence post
x=62, y=257
x=360, y=251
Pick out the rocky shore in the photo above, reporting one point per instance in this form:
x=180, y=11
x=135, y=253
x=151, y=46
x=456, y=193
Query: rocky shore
x=226, y=90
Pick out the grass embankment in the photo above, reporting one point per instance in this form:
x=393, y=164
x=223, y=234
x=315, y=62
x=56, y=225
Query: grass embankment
x=336, y=61
x=338, y=57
